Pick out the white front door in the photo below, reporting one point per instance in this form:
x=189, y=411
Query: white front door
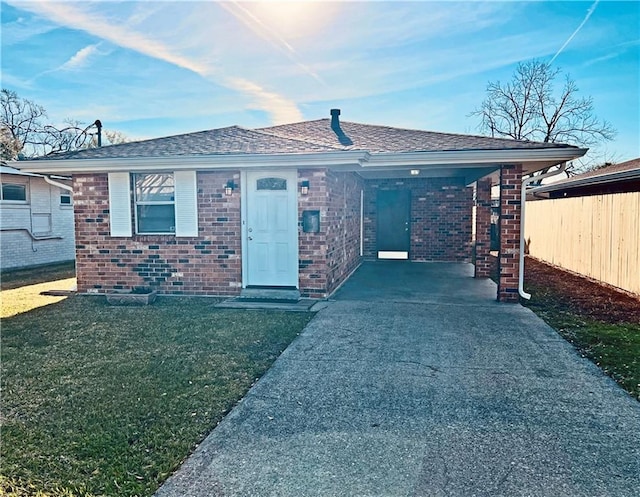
x=271, y=229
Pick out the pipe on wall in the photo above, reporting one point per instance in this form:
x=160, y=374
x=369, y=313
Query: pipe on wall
x=523, y=198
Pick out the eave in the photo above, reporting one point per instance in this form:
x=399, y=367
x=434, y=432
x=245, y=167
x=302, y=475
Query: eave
x=470, y=164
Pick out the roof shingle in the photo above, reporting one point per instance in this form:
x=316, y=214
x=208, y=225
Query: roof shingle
x=297, y=138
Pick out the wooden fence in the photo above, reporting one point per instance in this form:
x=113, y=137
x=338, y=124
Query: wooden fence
x=598, y=236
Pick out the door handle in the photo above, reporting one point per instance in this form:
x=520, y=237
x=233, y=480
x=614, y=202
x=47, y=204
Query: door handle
x=250, y=238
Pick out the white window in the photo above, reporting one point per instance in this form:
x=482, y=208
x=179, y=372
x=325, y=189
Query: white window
x=14, y=192
x=155, y=203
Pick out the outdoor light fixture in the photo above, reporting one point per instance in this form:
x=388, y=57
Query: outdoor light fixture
x=229, y=187
x=304, y=188
x=415, y=172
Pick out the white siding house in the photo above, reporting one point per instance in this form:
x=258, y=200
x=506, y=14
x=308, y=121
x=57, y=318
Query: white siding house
x=36, y=220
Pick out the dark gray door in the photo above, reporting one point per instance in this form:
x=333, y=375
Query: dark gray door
x=394, y=222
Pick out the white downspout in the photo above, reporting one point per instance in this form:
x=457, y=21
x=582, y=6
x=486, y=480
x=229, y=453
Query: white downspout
x=59, y=185
x=523, y=198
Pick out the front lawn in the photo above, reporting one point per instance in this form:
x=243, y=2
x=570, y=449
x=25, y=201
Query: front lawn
x=101, y=400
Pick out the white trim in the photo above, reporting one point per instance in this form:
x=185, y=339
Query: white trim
x=393, y=254
x=353, y=160
x=199, y=162
x=243, y=224
x=471, y=158
x=119, y=205
x=361, y=223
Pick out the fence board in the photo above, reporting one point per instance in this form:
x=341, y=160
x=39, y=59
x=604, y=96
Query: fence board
x=598, y=236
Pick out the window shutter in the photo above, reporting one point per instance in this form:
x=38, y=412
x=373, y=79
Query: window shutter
x=186, y=199
x=119, y=204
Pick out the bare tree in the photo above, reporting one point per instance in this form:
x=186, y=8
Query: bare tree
x=24, y=130
x=21, y=122
x=530, y=108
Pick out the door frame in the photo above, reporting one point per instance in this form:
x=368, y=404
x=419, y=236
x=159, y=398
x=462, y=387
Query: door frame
x=244, y=204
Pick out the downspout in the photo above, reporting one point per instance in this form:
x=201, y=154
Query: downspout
x=59, y=185
x=523, y=198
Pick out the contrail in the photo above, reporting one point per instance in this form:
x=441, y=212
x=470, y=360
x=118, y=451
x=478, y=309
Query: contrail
x=584, y=21
x=270, y=35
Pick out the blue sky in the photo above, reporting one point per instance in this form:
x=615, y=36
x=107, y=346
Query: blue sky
x=159, y=68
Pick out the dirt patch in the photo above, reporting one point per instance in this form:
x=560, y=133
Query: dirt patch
x=587, y=297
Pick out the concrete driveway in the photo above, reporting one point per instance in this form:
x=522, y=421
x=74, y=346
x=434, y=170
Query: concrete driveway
x=416, y=382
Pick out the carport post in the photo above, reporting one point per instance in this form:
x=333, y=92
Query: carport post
x=508, y=262
x=483, y=228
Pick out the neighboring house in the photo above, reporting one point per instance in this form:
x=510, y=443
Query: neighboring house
x=590, y=224
x=614, y=178
x=294, y=206
x=36, y=219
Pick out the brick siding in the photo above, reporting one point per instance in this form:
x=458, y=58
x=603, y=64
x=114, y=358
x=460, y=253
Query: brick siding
x=441, y=212
x=509, y=262
x=207, y=265
x=328, y=257
x=210, y=264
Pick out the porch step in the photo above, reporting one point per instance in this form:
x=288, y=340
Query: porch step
x=302, y=305
x=269, y=295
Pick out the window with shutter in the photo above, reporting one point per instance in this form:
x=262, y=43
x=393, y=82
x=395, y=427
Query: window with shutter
x=163, y=204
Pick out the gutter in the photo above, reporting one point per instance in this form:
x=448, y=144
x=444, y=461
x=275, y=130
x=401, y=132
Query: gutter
x=523, y=198
x=197, y=162
x=356, y=159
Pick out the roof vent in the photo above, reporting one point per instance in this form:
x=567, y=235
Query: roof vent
x=335, y=118
x=337, y=129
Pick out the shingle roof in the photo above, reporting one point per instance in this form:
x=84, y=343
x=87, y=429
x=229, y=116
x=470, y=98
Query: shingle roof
x=622, y=172
x=380, y=139
x=629, y=165
x=230, y=140
x=304, y=137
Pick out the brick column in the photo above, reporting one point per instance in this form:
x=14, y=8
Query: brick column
x=483, y=228
x=510, y=183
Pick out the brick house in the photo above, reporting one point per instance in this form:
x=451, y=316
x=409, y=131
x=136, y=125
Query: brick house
x=36, y=219
x=294, y=206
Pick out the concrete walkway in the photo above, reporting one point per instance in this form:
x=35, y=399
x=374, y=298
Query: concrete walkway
x=416, y=382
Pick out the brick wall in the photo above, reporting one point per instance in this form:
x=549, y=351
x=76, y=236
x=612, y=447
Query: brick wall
x=17, y=248
x=328, y=257
x=441, y=212
x=509, y=263
x=312, y=247
x=343, y=227
x=207, y=265
x=483, y=229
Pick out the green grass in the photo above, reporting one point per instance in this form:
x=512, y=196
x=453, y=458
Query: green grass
x=614, y=347
x=101, y=400
x=31, y=276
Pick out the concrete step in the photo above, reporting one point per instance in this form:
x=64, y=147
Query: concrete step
x=282, y=295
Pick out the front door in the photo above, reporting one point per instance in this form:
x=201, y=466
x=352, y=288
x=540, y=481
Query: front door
x=271, y=224
x=394, y=221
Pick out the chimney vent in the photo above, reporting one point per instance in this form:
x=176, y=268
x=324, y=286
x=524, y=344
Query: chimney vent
x=335, y=120
x=337, y=129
